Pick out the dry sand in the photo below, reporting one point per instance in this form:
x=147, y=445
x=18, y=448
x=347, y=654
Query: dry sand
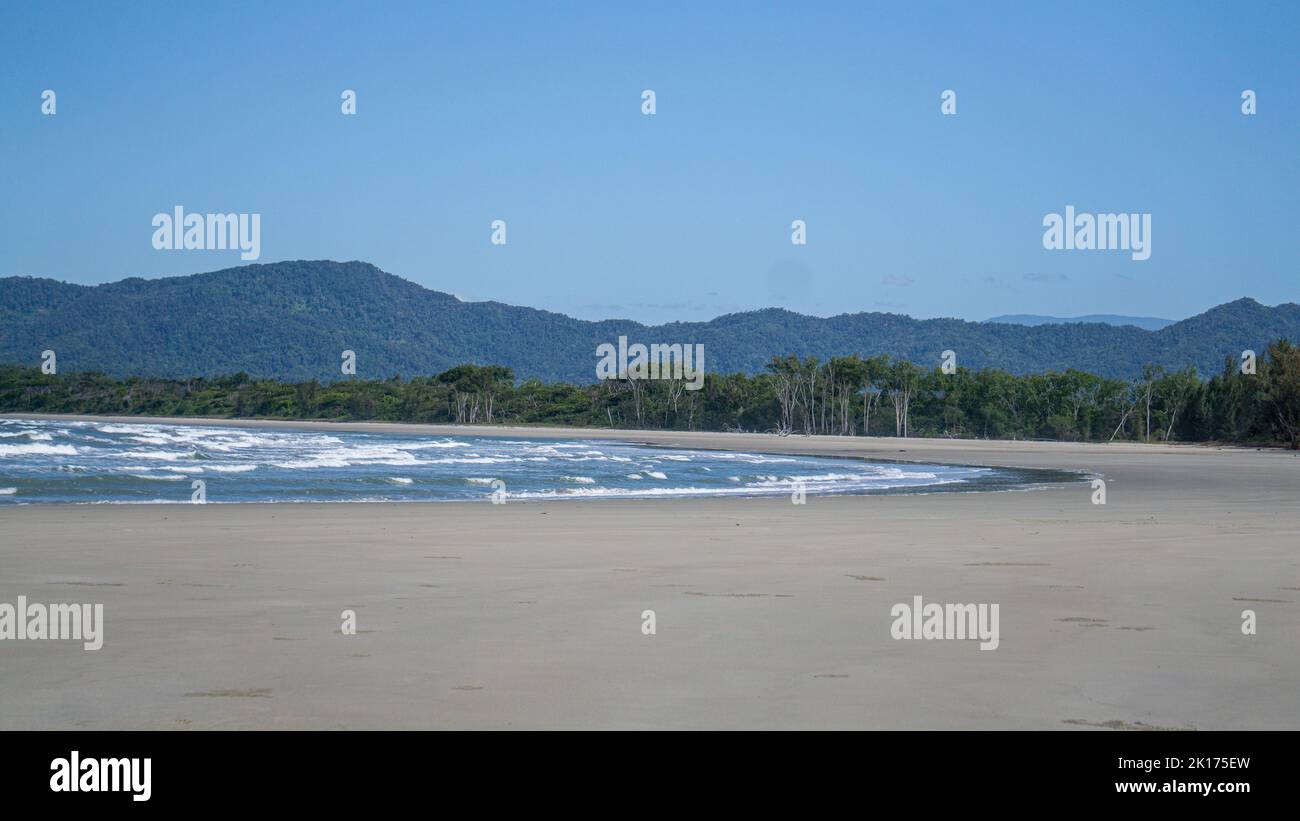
x=769, y=614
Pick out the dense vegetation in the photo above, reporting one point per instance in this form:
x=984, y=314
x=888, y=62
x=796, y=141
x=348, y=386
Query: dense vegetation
x=844, y=395
x=291, y=321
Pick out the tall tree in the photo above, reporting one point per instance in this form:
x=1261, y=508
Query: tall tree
x=1281, y=391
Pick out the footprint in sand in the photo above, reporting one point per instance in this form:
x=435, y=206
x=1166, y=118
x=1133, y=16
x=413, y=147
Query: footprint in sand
x=90, y=584
x=1116, y=724
x=255, y=693
x=1084, y=621
x=728, y=595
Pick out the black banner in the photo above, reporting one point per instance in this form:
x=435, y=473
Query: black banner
x=141, y=771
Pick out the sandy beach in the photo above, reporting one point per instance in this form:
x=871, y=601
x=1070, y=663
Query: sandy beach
x=1126, y=615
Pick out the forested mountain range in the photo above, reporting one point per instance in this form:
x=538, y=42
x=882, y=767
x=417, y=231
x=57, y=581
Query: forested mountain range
x=1148, y=323
x=291, y=321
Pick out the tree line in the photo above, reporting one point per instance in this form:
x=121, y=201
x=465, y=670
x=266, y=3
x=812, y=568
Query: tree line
x=844, y=396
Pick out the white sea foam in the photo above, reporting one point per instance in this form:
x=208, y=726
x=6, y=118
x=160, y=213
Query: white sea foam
x=308, y=467
x=157, y=439
x=139, y=502
x=848, y=477
x=37, y=450
x=754, y=458
x=35, y=436
x=428, y=445
x=163, y=455
x=124, y=428
x=657, y=492
x=482, y=460
x=312, y=464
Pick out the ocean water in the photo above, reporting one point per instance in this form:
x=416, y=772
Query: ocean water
x=103, y=462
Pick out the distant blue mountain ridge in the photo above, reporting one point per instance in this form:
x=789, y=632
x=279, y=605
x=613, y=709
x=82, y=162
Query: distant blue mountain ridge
x=291, y=321
x=1149, y=323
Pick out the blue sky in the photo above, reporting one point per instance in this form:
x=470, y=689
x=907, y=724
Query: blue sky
x=766, y=113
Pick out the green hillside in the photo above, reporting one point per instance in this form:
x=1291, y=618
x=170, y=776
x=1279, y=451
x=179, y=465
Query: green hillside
x=291, y=321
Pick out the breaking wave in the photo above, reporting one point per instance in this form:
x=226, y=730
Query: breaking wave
x=139, y=463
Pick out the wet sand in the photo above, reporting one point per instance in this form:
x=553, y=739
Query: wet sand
x=768, y=614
